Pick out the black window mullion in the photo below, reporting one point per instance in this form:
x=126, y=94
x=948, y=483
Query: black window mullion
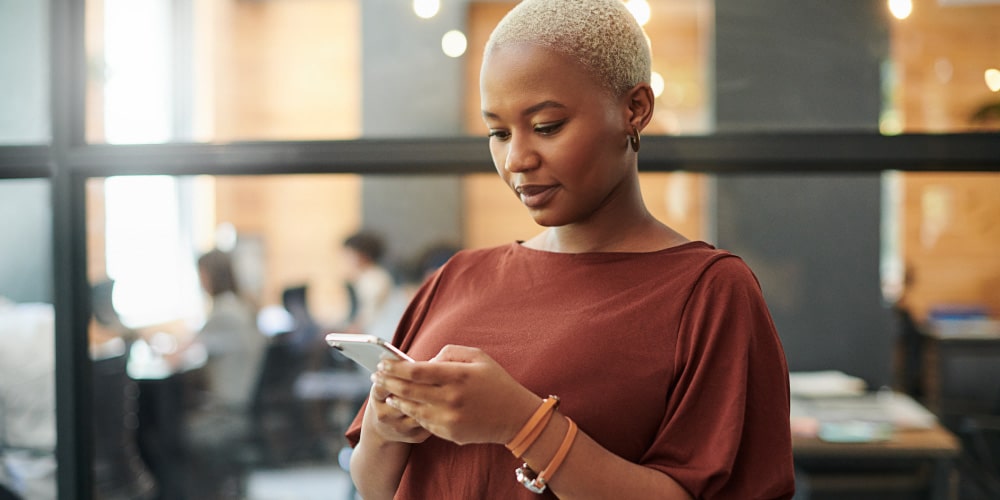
x=67, y=89
x=25, y=162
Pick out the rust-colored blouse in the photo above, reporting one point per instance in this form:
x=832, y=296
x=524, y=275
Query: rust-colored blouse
x=668, y=359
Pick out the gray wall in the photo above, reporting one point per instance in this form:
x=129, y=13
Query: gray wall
x=411, y=89
x=803, y=65
x=813, y=240
x=413, y=212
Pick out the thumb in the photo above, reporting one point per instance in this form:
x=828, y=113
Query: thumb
x=459, y=353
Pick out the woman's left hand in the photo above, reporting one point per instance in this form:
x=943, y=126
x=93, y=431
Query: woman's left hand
x=462, y=395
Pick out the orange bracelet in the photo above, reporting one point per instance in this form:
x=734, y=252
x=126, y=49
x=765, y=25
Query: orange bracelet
x=530, y=439
x=537, y=484
x=531, y=429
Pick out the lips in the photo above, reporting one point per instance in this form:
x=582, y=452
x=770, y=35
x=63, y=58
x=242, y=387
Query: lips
x=536, y=195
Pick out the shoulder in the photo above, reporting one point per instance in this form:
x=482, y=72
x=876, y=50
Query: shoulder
x=713, y=266
x=724, y=282
x=229, y=302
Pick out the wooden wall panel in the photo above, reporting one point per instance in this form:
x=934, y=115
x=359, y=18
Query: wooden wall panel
x=300, y=221
x=941, y=53
x=951, y=239
x=286, y=70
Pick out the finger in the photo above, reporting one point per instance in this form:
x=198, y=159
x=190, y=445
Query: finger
x=405, y=407
x=408, y=389
x=401, y=425
x=425, y=372
x=459, y=353
x=378, y=392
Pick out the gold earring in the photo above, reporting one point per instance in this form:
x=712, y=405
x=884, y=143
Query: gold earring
x=634, y=139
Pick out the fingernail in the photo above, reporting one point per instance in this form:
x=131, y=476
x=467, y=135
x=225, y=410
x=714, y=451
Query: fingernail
x=383, y=366
x=374, y=378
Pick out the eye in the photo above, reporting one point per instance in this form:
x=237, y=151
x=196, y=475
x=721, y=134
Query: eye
x=548, y=128
x=501, y=135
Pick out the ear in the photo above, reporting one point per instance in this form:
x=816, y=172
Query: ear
x=640, y=101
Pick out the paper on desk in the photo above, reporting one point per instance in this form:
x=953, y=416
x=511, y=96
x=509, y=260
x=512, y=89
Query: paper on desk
x=809, y=415
x=825, y=383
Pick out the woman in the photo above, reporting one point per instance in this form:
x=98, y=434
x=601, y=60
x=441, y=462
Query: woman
x=371, y=283
x=670, y=377
x=235, y=346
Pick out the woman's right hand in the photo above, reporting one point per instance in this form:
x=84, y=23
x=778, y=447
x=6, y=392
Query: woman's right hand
x=379, y=459
x=390, y=423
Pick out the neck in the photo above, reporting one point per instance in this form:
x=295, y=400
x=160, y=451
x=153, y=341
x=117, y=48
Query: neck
x=621, y=224
x=635, y=234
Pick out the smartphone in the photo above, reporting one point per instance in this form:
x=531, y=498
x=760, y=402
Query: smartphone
x=365, y=350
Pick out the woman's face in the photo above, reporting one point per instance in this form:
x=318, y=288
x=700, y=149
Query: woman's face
x=558, y=139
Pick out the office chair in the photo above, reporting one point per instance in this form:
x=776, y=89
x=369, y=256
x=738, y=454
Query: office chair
x=980, y=459
x=119, y=470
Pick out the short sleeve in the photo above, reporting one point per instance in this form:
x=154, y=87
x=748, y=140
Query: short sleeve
x=725, y=433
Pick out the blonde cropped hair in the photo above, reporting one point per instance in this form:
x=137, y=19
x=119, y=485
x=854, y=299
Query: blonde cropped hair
x=600, y=34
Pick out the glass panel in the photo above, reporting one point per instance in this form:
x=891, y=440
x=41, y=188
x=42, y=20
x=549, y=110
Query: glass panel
x=948, y=239
x=944, y=74
x=27, y=341
x=285, y=237
x=680, y=34
x=24, y=72
x=195, y=70
x=205, y=340
x=206, y=70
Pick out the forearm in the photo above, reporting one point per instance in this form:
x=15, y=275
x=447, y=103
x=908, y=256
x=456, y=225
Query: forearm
x=591, y=471
x=377, y=464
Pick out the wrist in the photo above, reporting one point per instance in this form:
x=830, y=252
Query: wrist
x=521, y=412
x=537, y=482
x=533, y=427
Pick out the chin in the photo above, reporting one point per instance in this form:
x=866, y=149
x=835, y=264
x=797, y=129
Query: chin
x=547, y=219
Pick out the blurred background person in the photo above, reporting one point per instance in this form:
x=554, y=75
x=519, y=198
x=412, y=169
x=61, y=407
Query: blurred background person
x=219, y=427
x=369, y=281
x=229, y=335
x=908, y=354
x=412, y=276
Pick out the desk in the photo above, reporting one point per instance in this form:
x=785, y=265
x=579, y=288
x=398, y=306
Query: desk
x=961, y=370
x=917, y=459
x=911, y=459
x=163, y=399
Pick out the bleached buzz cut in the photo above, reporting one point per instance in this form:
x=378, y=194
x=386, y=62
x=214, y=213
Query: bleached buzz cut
x=600, y=34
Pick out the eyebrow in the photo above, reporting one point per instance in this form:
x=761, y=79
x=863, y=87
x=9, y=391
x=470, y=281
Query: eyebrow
x=530, y=110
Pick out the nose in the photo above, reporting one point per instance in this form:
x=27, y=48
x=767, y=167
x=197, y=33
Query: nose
x=521, y=155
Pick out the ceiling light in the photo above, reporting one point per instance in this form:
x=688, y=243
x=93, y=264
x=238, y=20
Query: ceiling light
x=426, y=9
x=453, y=43
x=901, y=9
